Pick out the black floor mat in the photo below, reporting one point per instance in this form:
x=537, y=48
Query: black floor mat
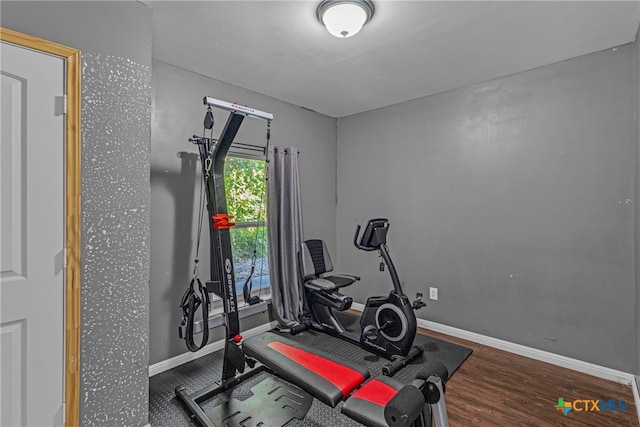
x=166, y=411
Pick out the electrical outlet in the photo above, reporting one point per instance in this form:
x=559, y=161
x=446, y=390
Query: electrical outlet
x=433, y=294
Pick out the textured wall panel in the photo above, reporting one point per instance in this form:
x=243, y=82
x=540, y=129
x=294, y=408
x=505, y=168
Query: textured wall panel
x=115, y=240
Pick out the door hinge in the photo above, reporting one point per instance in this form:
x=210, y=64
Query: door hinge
x=64, y=258
x=64, y=103
x=64, y=414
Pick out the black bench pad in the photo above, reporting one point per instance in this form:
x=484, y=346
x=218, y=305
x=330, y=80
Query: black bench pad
x=367, y=404
x=321, y=374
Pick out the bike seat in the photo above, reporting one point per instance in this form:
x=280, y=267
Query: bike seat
x=330, y=283
x=315, y=262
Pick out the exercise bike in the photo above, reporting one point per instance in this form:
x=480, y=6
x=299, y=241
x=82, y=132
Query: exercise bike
x=388, y=323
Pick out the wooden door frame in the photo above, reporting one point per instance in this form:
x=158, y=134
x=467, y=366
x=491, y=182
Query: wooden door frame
x=72, y=211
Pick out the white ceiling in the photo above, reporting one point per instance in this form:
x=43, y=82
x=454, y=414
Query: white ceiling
x=410, y=49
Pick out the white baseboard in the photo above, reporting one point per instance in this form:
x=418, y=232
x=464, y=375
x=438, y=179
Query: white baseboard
x=532, y=353
x=181, y=359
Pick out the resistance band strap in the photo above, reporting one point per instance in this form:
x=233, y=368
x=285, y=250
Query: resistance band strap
x=190, y=303
x=248, y=284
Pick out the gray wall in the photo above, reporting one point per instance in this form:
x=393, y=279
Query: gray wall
x=115, y=39
x=177, y=114
x=514, y=197
x=637, y=199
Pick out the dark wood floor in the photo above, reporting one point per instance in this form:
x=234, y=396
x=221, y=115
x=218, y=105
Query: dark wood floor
x=497, y=388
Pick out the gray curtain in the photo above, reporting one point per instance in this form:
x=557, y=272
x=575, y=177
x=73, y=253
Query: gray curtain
x=284, y=224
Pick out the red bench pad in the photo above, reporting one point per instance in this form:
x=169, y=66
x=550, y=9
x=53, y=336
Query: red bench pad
x=321, y=374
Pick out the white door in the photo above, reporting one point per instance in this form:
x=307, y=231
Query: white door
x=32, y=235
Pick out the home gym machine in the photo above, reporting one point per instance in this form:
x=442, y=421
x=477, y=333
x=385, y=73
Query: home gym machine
x=222, y=282
x=299, y=373
x=388, y=323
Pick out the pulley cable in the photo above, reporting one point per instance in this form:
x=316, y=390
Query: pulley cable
x=192, y=299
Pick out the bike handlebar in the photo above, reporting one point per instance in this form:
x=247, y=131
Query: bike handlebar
x=358, y=245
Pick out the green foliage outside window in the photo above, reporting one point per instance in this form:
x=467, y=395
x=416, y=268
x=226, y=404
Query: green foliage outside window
x=245, y=187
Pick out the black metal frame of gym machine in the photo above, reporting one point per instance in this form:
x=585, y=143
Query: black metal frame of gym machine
x=222, y=281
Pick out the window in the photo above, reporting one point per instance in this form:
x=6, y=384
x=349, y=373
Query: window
x=246, y=189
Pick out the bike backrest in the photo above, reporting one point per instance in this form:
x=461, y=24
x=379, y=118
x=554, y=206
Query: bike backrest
x=314, y=259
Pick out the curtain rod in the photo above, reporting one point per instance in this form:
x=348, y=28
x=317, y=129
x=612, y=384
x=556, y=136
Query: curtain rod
x=249, y=146
x=255, y=148
x=285, y=150
x=259, y=148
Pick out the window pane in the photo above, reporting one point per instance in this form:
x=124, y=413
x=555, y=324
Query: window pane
x=246, y=189
x=243, y=241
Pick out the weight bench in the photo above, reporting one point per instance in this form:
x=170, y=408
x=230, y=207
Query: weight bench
x=376, y=402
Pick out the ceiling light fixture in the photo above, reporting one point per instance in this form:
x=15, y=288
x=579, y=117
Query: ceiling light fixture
x=344, y=18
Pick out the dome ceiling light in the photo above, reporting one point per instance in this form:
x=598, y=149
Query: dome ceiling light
x=344, y=18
